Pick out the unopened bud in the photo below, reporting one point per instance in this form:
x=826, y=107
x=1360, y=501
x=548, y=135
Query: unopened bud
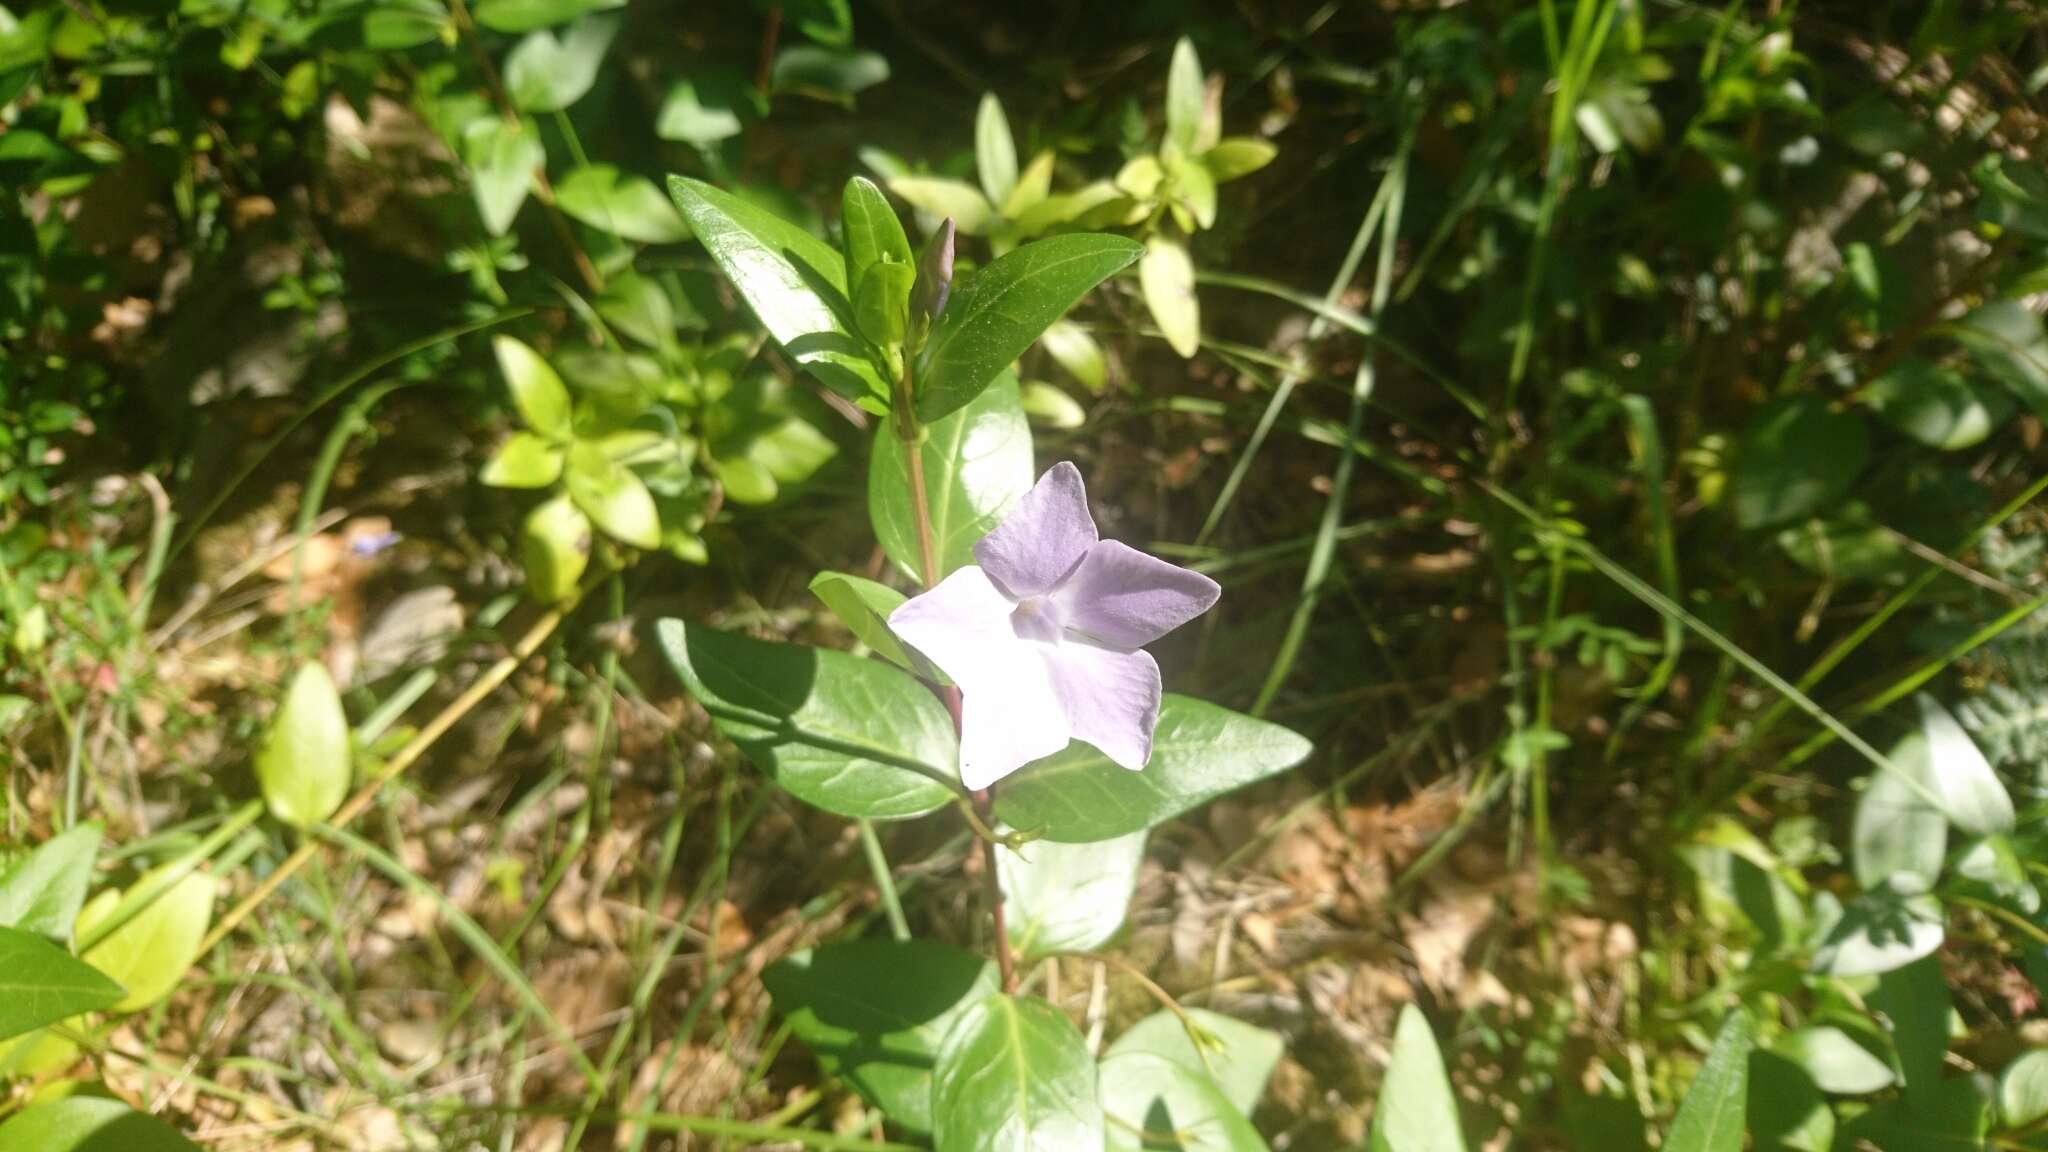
x=934, y=276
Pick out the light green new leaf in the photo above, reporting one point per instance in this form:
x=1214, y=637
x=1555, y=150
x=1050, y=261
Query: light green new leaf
x=870, y=233
x=864, y=606
x=303, y=765
x=2023, y=1090
x=1051, y=407
x=1001, y=310
x=555, y=547
x=1199, y=752
x=1416, y=1111
x=977, y=463
x=612, y=496
x=1237, y=157
x=747, y=481
x=1034, y=184
x=1167, y=276
x=1068, y=897
x=42, y=891
x=875, y=1011
x=149, y=953
x=1184, y=97
x=1239, y=1057
x=969, y=210
x=89, y=1124
x=793, y=281
x=524, y=460
x=502, y=157
x=1143, y=1092
x=1078, y=353
x=1014, y=1075
x=546, y=74
x=1712, y=1115
x=852, y=736
x=995, y=153
x=536, y=391
x=41, y=984
x=624, y=205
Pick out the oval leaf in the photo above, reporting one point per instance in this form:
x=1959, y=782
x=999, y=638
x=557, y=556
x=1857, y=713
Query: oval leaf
x=1416, y=1111
x=527, y=15
x=1068, y=897
x=1882, y=931
x=995, y=153
x=864, y=606
x=1970, y=793
x=149, y=953
x=1014, y=1075
x=89, y=1124
x=1199, y=752
x=1078, y=353
x=555, y=546
x=1167, y=277
x=1150, y=1101
x=41, y=984
x=1938, y=406
x=536, y=391
x=1237, y=1056
x=1798, y=457
x=525, y=460
x=2023, y=1090
x=42, y=891
x=622, y=204
x=1836, y=1061
x=848, y=735
x=612, y=496
x=502, y=157
x=870, y=233
x=1000, y=311
x=977, y=463
x=952, y=200
x=1899, y=839
x=1184, y=97
x=546, y=74
x=303, y=766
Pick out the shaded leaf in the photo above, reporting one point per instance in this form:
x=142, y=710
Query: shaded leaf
x=1240, y=1060
x=527, y=15
x=1835, y=1061
x=41, y=984
x=1897, y=832
x=864, y=606
x=1014, y=1075
x=1937, y=406
x=1798, y=457
x=1144, y=1093
x=1915, y=1000
x=1787, y=1112
x=89, y=1124
x=1068, y=897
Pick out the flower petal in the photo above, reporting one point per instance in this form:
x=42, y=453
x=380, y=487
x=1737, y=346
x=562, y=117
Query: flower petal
x=1009, y=714
x=1044, y=536
x=1122, y=596
x=1111, y=699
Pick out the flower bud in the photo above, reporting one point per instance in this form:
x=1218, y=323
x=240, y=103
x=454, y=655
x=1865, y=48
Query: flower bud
x=934, y=277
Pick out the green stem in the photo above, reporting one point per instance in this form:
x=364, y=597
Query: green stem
x=885, y=881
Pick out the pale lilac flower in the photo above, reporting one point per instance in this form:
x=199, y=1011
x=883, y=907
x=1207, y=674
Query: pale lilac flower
x=1044, y=636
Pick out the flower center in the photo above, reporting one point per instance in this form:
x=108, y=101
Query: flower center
x=1037, y=618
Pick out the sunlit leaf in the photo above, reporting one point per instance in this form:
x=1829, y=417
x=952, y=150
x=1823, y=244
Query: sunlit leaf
x=303, y=764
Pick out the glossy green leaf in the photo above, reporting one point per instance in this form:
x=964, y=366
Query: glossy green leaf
x=1712, y=1115
x=1150, y=1101
x=964, y=204
x=1916, y=1002
x=1416, y=1111
x=1938, y=406
x=874, y=1013
x=1882, y=930
x=864, y=606
x=524, y=460
x=536, y=391
x=42, y=891
x=89, y=1124
x=544, y=73
x=1835, y=1061
x=1078, y=353
x=1068, y=897
x=502, y=157
x=612, y=496
x=555, y=547
x=1184, y=97
x=1237, y=1056
x=852, y=736
x=1898, y=837
x=148, y=954
x=882, y=306
x=1968, y=791
x=42, y=984
x=977, y=463
x=1798, y=457
x=793, y=281
x=1199, y=751
x=995, y=153
x=1167, y=277
x=2023, y=1090
x=622, y=204
x=1238, y=157
x=527, y=15
x=303, y=766
x=1014, y=1075
x=1787, y=1110
x=1001, y=310
x=870, y=233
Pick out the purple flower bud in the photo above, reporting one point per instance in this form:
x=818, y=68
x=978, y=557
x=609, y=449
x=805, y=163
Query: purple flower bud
x=934, y=276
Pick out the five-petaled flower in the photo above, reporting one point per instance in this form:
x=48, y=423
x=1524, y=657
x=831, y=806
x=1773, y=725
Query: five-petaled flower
x=1044, y=637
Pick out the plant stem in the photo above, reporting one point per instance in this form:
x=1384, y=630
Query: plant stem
x=885, y=884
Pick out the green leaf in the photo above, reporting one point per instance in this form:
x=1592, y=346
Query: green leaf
x=1033, y=185
x=1787, y=1112
x=1237, y=157
x=1051, y=407
x=2015, y=196
x=42, y=984
x=396, y=26
x=977, y=463
x=1798, y=457
x=527, y=15
x=524, y=460
x=833, y=73
x=1955, y=1120
x=1239, y=1057
x=794, y=282
x=852, y=736
x=864, y=606
x=1881, y=931
x=2006, y=340
x=870, y=233
x=546, y=74
x=995, y=153
x=882, y=306
x=536, y=391
x=1014, y=1075
x=639, y=307
x=1416, y=1111
x=1004, y=308
x=969, y=210
x=686, y=117
x=1167, y=277
x=1968, y=791
x=1195, y=191
x=1835, y=1061
x=747, y=481
x=1896, y=831
x=42, y=891
x=1915, y=999
x=149, y=953
x=874, y=1012
x=1199, y=752
x=502, y=157
x=1144, y=1093
x=303, y=765
x=2023, y=1090
x=555, y=547
x=89, y=1124
x=624, y=205
x=612, y=496
x=1184, y=97
x=1937, y=406
x=1078, y=353
x=1068, y=897
x=1711, y=1117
